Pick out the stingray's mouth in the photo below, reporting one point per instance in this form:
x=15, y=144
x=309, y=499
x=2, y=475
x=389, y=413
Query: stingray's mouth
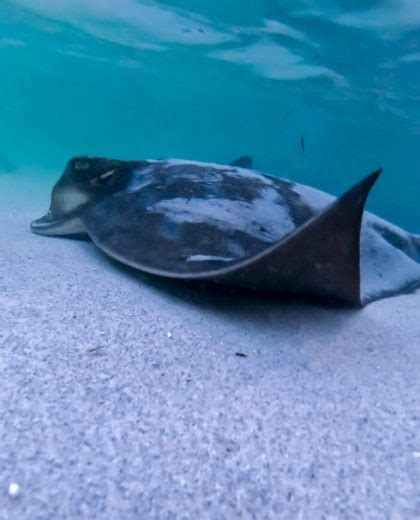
x=50, y=225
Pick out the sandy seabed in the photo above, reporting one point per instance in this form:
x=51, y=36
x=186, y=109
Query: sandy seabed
x=123, y=396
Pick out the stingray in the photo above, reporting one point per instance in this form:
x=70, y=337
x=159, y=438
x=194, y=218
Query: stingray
x=232, y=225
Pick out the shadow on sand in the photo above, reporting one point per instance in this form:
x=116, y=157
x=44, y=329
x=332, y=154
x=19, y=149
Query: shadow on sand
x=235, y=304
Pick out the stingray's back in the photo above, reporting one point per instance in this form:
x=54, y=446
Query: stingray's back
x=186, y=218
x=239, y=227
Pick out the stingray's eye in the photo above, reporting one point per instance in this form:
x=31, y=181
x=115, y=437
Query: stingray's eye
x=82, y=165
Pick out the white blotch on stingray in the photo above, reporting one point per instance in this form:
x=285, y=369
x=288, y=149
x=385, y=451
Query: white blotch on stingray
x=70, y=199
x=208, y=258
x=266, y=217
x=141, y=178
x=232, y=171
x=315, y=199
x=385, y=269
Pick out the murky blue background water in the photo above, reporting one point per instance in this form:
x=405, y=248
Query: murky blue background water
x=217, y=79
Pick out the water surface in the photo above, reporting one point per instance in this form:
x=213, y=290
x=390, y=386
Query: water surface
x=321, y=92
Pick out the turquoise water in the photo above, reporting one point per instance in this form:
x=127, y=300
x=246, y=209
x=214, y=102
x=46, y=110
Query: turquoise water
x=320, y=92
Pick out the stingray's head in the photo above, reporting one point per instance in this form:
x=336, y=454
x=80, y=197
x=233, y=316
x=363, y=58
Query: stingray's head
x=84, y=181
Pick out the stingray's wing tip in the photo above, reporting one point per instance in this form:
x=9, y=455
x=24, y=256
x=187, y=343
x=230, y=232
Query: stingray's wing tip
x=321, y=258
x=374, y=176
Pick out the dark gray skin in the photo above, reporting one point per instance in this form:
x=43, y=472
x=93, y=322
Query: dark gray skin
x=233, y=225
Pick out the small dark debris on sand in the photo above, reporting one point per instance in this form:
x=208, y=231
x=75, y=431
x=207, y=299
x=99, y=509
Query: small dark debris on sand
x=241, y=354
x=95, y=350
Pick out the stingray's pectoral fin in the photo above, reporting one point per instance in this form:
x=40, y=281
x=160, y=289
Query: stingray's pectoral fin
x=243, y=162
x=321, y=258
